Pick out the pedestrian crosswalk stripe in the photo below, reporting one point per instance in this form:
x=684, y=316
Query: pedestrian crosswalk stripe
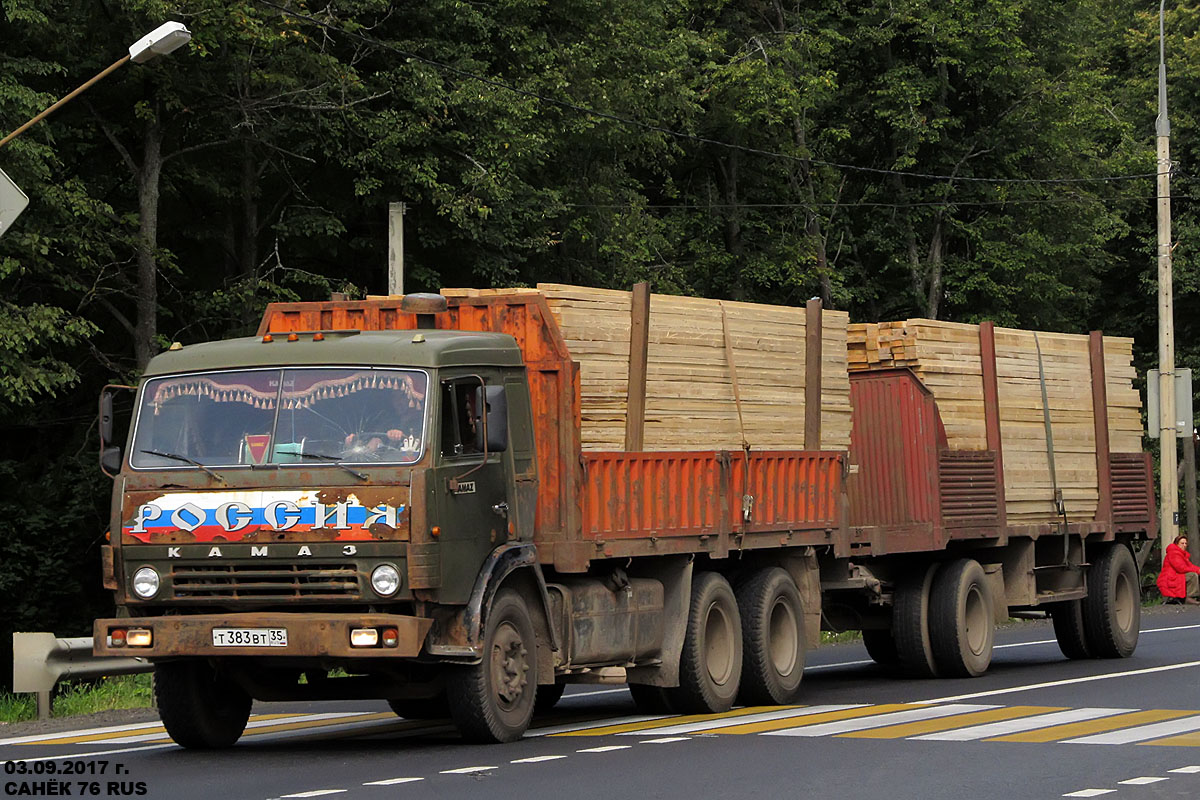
x=1142, y=733
x=1059, y=732
x=880, y=720
x=716, y=726
x=912, y=729
x=812, y=719
x=643, y=725
x=1011, y=726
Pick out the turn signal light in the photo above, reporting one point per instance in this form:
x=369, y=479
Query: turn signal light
x=364, y=637
x=139, y=637
x=391, y=637
x=116, y=637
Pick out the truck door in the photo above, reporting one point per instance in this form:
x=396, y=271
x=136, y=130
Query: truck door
x=472, y=492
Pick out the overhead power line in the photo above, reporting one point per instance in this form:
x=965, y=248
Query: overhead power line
x=649, y=126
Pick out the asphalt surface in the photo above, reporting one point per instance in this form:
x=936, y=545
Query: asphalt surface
x=1127, y=729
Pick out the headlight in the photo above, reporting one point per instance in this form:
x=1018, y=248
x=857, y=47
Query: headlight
x=145, y=583
x=385, y=580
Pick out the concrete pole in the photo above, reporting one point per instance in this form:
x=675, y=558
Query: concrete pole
x=396, y=248
x=1168, y=482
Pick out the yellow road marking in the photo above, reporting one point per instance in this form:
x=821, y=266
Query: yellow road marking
x=146, y=731
x=813, y=719
x=669, y=721
x=947, y=723
x=1074, y=729
x=1182, y=740
x=301, y=725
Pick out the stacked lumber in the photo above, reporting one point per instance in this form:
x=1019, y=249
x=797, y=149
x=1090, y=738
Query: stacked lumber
x=946, y=357
x=690, y=403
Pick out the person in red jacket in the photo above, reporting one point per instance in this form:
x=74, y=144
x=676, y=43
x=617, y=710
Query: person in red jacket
x=1172, y=580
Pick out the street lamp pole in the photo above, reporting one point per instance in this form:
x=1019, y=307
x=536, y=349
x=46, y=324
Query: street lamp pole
x=164, y=39
x=1168, y=484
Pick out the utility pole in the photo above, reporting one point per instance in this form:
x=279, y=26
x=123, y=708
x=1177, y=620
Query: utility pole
x=1168, y=483
x=396, y=248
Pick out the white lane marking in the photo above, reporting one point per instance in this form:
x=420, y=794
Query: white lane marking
x=608, y=748
x=1142, y=781
x=49, y=738
x=466, y=770
x=819, y=667
x=1141, y=733
x=255, y=722
x=729, y=722
x=315, y=793
x=578, y=726
x=1067, y=682
x=93, y=754
x=535, y=759
x=879, y=721
x=665, y=740
x=1090, y=793
x=1021, y=725
x=333, y=717
x=392, y=781
x=573, y=695
x=1186, y=770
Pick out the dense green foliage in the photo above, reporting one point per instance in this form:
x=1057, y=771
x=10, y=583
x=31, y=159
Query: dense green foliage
x=890, y=157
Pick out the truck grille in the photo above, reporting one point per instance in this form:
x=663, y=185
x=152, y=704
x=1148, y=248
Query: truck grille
x=228, y=581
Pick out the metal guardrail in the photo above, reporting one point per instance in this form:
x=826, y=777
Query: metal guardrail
x=40, y=661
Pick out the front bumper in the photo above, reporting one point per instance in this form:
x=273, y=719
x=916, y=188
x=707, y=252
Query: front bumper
x=307, y=635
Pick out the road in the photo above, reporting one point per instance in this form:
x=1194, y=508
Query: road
x=1036, y=726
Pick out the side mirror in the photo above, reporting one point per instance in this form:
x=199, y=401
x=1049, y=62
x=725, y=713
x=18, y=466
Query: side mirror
x=106, y=417
x=110, y=460
x=496, y=408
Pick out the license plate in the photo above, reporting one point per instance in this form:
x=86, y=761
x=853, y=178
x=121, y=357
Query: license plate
x=249, y=637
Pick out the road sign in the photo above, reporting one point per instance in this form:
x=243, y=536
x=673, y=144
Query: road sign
x=1183, y=404
x=12, y=202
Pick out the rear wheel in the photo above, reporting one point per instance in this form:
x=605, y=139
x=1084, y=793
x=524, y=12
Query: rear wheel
x=881, y=647
x=1112, y=610
x=199, y=707
x=773, y=646
x=910, y=624
x=650, y=699
x=492, y=701
x=548, y=695
x=963, y=629
x=1069, y=629
x=710, y=667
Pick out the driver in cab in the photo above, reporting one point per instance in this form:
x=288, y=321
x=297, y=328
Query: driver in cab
x=397, y=424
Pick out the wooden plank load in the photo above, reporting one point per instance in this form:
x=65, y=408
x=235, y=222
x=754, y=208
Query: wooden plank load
x=690, y=403
x=946, y=356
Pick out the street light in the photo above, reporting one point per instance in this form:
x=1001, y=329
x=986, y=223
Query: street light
x=166, y=38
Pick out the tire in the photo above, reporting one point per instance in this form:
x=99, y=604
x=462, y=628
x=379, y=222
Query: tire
x=881, y=647
x=650, y=700
x=963, y=629
x=547, y=697
x=436, y=707
x=492, y=701
x=1069, y=629
x=773, y=644
x=1112, y=610
x=910, y=624
x=200, y=708
x=710, y=666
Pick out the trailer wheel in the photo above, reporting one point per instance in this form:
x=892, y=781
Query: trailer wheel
x=710, y=667
x=963, y=629
x=436, y=707
x=547, y=696
x=773, y=647
x=1069, y=629
x=910, y=624
x=881, y=647
x=199, y=707
x=492, y=701
x=1112, y=610
x=650, y=699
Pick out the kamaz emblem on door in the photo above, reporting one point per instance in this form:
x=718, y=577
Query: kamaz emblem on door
x=465, y=487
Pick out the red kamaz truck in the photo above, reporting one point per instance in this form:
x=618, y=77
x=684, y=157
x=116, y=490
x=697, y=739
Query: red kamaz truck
x=395, y=489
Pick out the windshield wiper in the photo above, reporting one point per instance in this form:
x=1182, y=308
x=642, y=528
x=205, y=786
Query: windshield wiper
x=186, y=460
x=337, y=461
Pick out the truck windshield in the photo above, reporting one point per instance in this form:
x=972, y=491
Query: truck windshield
x=281, y=416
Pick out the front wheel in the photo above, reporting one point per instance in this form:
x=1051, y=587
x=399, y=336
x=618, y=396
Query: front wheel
x=199, y=707
x=492, y=701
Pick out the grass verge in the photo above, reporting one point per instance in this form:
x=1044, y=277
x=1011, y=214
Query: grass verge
x=87, y=697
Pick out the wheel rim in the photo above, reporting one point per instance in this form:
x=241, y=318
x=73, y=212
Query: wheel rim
x=509, y=665
x=1123, y=602
x=783, y=638
x=718, y=645
x=977, y=621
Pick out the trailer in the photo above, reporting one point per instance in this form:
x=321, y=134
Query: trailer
x=400, y=488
